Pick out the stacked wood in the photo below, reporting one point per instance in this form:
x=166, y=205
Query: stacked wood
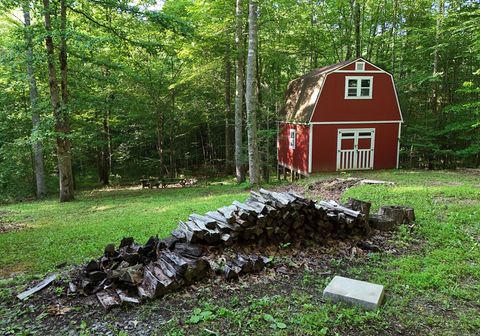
x=274, y=217
x=134, y=272
x=244, y=264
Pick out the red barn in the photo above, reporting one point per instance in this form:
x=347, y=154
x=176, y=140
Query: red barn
x=344, y=116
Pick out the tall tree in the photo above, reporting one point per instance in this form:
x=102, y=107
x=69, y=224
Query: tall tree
x=37, y=146
x=228, y=109
x=356, y=22
x=59, y=103
x=239, y=92
x=251, y=94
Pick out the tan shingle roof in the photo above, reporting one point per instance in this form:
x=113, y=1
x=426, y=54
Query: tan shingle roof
x=302, y=94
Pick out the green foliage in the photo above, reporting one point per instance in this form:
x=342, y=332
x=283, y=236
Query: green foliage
x=147, y=83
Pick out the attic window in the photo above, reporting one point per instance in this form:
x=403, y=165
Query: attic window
x=359, y=66
x=358, y=87
x=292, y=138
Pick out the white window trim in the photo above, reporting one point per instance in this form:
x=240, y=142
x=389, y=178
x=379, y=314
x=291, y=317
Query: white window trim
x=359, y=79
x=359, y=66
x=294, y=138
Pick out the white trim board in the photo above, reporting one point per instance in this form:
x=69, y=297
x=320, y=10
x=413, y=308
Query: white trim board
x=356, y=122
x=353, y=72
x=398, y=144
x=310, y=145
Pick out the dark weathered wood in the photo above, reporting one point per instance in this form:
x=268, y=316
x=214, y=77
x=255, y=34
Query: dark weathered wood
x=361, y=206
x=124, y=297
x=132, y=275
x=332, y=205
x=203, y=221
x=228, y=212
x=108, y=298
x=127, y=241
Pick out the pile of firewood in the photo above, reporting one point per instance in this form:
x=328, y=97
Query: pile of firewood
x=273, y=217
x=134, y=272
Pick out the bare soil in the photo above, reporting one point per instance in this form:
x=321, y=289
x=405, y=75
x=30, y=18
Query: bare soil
x=7, y=225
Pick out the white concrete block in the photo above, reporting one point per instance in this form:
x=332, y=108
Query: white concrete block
x=365, y=294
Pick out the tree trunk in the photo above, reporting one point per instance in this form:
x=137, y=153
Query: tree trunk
x=160, y=140
x=228, y=111
x=105, y=154
x=394, y=35
x=239, y=93
x=37, y=144
x=251, y=94
x=356, y=19
x=105, y=151
x=348, y=30
x=435, y=85
x=62, y=127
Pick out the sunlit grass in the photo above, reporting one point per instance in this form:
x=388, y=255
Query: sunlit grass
x=75, y=231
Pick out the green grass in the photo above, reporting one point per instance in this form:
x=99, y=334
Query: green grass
x=71, y=232
x=432, y=289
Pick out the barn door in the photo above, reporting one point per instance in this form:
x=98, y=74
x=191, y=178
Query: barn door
x=355, y=148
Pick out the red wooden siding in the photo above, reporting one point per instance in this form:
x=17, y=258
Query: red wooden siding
x=332, y=105
x=324, y=145
x=293, y=158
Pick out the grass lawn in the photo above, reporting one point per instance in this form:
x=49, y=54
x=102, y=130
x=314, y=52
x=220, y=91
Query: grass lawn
x=71, y=232
x=432, y=289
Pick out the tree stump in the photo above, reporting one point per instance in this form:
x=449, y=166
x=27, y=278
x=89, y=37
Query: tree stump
x=399, y=214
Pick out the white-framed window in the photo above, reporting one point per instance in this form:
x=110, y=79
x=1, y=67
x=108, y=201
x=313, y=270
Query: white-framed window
x=360, y=66
x=358, y=87
x=292, y=139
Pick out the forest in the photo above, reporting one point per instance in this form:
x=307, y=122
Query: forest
x=104, y=92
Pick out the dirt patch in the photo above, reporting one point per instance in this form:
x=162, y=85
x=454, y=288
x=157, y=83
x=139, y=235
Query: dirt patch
x=11, y=271
x=469, y=171
x=450, y=184
x=6, y=225
x=328, y=189
x=453, y=200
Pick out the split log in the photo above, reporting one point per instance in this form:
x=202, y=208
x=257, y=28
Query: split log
x=188, y=250
x=108, y=298
x=203, y=221
x=44, y=283
x=361, y=206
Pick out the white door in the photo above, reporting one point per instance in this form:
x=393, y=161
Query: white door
x=355, y=148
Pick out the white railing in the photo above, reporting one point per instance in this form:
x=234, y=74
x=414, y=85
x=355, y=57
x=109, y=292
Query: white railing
x=355, y=159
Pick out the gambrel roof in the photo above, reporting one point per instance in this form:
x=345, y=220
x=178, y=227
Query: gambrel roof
x=302, y=93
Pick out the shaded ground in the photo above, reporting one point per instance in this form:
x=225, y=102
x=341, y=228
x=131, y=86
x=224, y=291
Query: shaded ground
x=298, y=272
